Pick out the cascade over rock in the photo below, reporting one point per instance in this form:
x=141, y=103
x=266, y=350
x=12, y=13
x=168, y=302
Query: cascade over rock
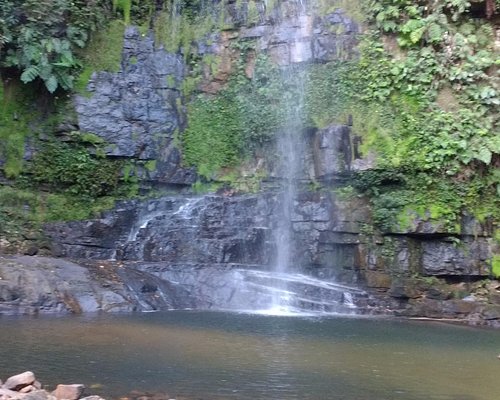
x=217, y=251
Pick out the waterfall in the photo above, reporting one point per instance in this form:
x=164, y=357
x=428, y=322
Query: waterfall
x=177, y=212
x=290, y=148
x=216, y=252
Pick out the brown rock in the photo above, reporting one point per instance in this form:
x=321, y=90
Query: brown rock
x=68, y=392
x=491, y=312
x=403, y=289
x=250, y=64
x=27, y=389
x=37, y=385
x=19, y=381
x=459, y=307
x=495, y=298
x=376, y=279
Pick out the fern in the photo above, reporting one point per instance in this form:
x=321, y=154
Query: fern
x=47, y=39
x=51, y=84
x=30, y=74
x=435, y=33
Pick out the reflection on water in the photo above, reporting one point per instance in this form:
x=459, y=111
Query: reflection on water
x=236, y=356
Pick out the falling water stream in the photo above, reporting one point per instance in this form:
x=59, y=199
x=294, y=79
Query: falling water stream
x=290, y=148
x=280, y=288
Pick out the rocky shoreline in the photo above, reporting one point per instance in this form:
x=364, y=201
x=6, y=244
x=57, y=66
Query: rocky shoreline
x=25, y=386
x=32, y=285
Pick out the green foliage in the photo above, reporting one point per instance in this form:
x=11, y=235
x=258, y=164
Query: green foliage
x=355, y=9
x=15, y=117
x=402, y=196
x=225, y=127
x=203, y=187
x=425, y=108
x=328, y=87
x=425, y=105
x=181, y=22
x=23, y=210
x=253, y=15
x=213, y=137
x=72, y=169
x=103, y=53
x=495, y=266
x=344, y=193
x=439, y=48
x=125, y=7
x=40, y=38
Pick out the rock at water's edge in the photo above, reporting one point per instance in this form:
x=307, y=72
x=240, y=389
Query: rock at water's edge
x=68, y=392
x=19, y=381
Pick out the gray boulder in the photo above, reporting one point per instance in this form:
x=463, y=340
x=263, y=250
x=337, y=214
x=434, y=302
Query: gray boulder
x=19, y=381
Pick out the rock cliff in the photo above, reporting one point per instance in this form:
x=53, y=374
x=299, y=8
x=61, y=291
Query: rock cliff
x=412, y=261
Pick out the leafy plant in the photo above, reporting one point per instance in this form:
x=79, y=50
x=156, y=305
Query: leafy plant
x=39, y=38
x=73, y=170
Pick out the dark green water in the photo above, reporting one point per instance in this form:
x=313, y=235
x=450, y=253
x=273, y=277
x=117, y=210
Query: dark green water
x=209, y=355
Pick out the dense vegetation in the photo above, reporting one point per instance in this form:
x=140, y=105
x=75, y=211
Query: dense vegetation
x=40, y=39
x=423, y=96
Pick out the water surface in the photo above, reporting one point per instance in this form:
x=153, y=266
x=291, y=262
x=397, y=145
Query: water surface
x=212, y=355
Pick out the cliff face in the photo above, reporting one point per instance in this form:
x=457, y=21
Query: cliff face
x=382, y=203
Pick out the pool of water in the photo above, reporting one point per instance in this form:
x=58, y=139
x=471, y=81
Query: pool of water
x=215, y=355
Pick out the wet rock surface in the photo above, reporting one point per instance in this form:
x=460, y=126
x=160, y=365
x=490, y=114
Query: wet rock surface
x=33, y=285
x=194, y=250
x=187, y=252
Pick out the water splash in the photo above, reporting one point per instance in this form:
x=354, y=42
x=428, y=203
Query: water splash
x=136, y=236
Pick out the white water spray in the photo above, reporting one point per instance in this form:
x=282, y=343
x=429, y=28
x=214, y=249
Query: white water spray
x=291, y=147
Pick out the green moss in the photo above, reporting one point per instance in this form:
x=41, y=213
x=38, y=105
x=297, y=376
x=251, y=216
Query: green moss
x=212, y=138
x=495, y=266
x=213, y=62
x=125, y=7
x=224, y=128
x=15, y=117
x=344, y=193
x=73, y=170
x=253, y=16
x=24, y=210
x=150, y=165
x=170, y=81
x=103, y=53
x=190, y=84
x=90, y=138
x=355, y=9
x=201, y=187
x=405, y=218
x=171, y=31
